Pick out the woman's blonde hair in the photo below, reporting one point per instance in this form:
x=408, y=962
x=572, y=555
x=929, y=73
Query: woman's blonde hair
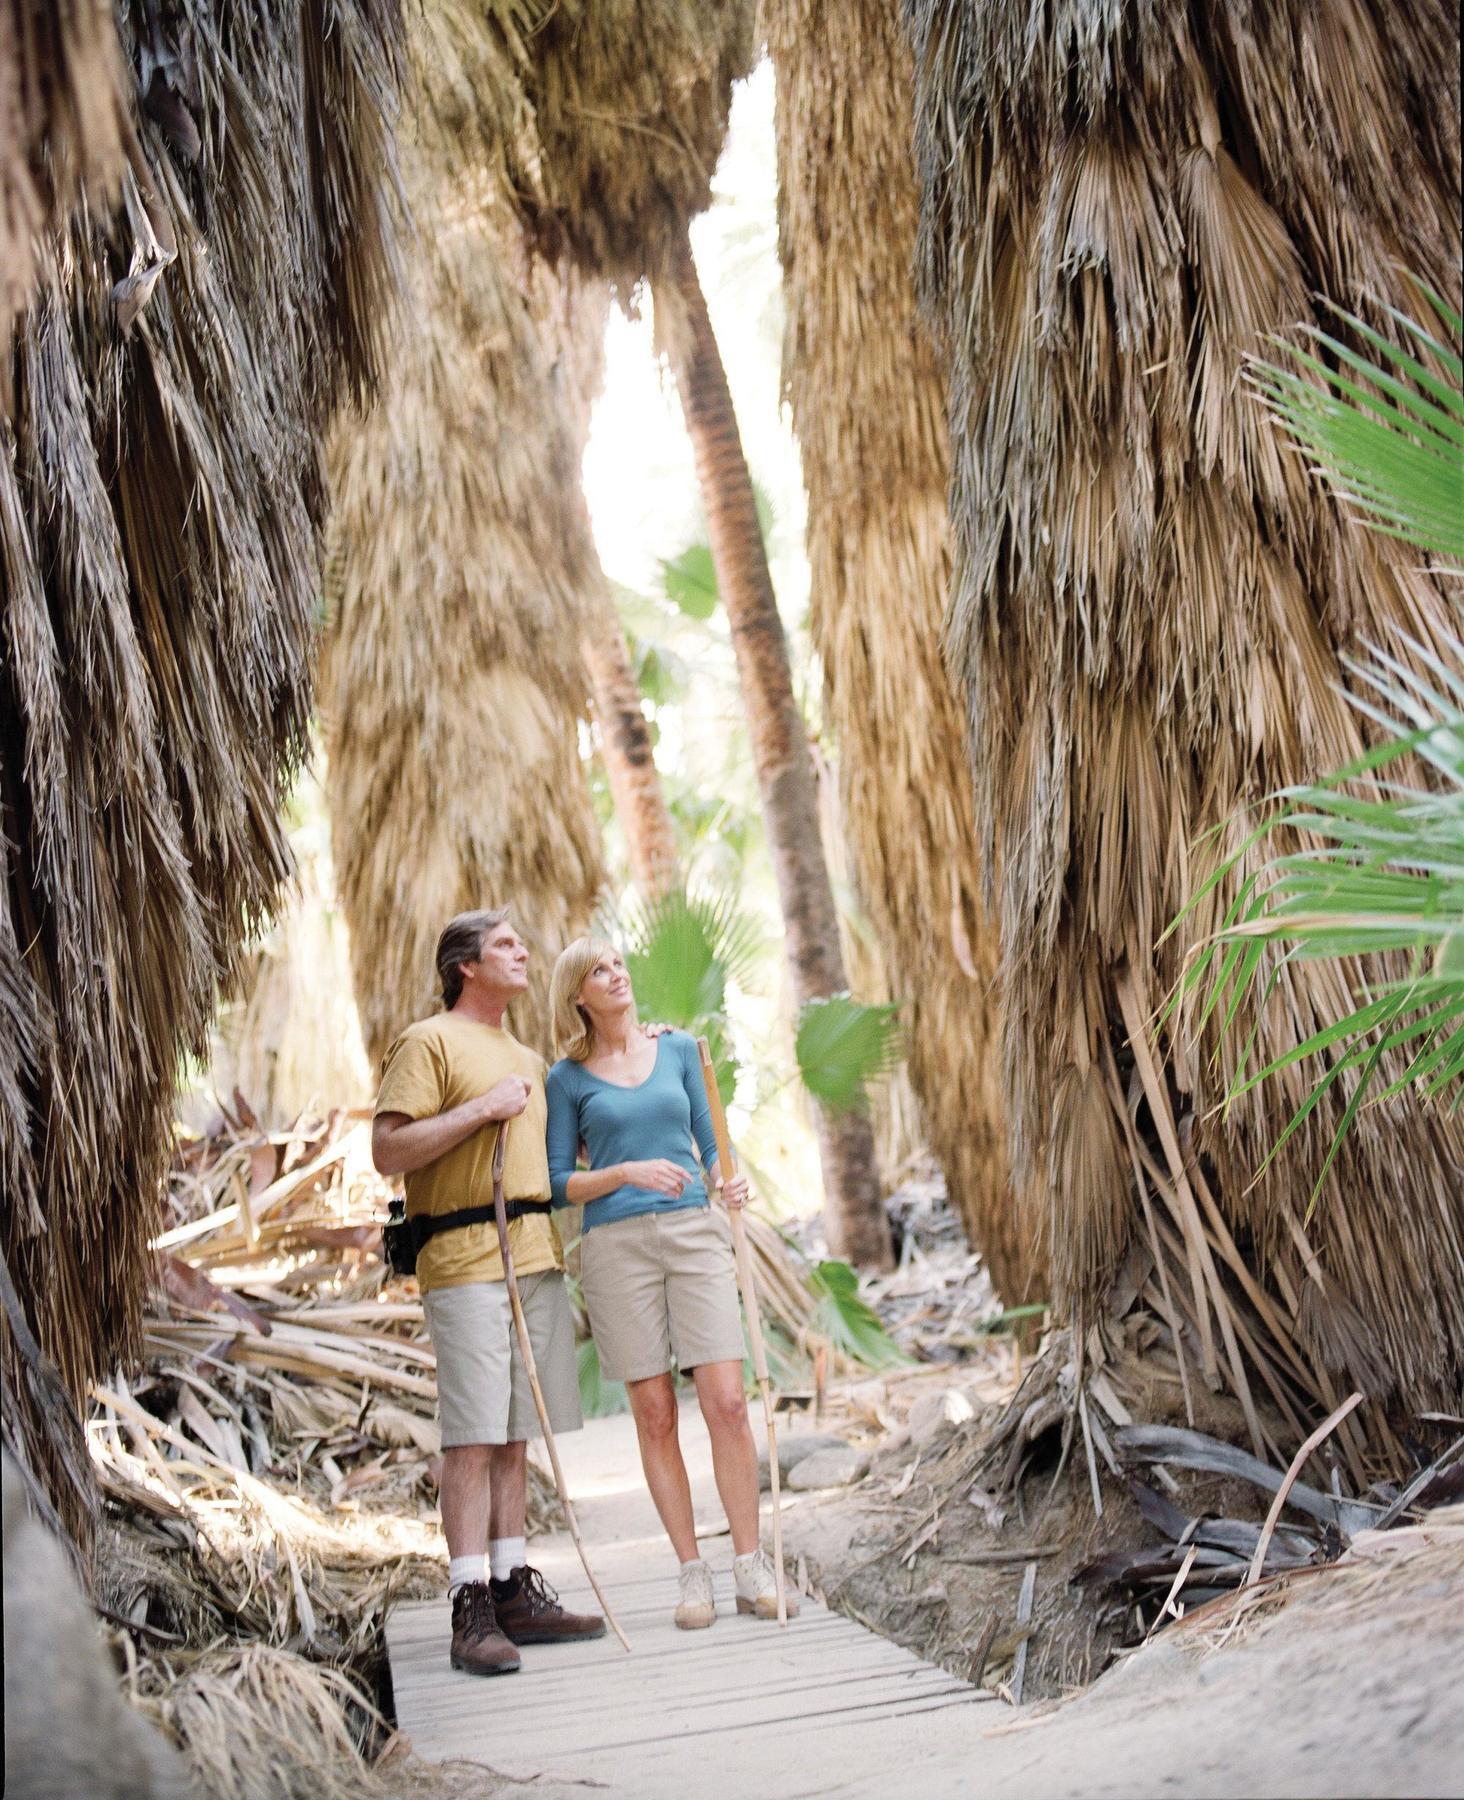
x=573, y=1032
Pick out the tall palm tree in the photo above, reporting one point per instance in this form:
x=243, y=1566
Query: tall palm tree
x=624, y=736
x=461, y=575
x=778, y=734
x=628, y=754
x=167, y=389
x=629, y=104
x=869, y=407
x=1151, y=601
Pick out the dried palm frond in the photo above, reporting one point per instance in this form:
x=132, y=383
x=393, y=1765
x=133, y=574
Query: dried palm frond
x=461, y=569
x=610, y=134
x=161, y=493
x=868, y=404
x=256, y=1723
x=64, y=130
x=1150, y=608
x=291, y=1039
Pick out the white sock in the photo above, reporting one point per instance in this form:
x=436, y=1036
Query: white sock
x=695, y=1563
x=463, y=1569
x=505, y=1555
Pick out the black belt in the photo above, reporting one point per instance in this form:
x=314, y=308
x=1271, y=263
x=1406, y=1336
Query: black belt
x=427, y=1225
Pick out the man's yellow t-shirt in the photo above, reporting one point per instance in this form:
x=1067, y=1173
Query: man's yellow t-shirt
x=435, y=1065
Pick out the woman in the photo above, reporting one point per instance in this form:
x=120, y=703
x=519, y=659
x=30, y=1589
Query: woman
x=656, y=1264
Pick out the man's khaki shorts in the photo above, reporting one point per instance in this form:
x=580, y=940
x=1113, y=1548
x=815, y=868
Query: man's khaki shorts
x=661, y=1292
x=483, y=1392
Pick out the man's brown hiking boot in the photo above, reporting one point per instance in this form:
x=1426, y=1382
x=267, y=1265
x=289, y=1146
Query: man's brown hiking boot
x=478, y=1644
x=529, y=1612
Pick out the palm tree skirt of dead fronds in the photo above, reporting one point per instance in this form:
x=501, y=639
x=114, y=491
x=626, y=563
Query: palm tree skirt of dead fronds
x=1151, y=601
x=161, y=493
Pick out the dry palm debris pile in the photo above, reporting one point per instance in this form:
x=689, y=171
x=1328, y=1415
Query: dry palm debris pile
x=938, y=1303
x=268, y=1476
x=1023, y=1540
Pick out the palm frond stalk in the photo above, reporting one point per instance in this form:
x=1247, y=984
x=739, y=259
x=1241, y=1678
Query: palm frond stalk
x=869, y=406
x=1151, y=600
x=461, y=568
x=161, y=495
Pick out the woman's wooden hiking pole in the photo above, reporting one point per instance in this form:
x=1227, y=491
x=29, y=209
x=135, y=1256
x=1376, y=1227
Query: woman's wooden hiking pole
x=748, y=1284
x=526, y=1349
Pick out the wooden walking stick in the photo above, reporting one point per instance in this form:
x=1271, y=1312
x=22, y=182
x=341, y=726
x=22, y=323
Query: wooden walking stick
x=526, y=1349
x=748, y=1283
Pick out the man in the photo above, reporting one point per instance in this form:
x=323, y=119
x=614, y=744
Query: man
x=448, y=1085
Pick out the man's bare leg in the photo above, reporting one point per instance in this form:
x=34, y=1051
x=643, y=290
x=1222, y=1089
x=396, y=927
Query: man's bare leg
x=479, y=1647
x=463, y=1496
x=508, y=1506
x=507, y=1512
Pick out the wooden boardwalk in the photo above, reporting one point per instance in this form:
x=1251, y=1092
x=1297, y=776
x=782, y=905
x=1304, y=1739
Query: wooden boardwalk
x=743, y=1708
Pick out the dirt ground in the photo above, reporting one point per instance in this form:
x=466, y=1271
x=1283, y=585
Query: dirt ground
x=1344, y=1682
x=920, y=1551
x=1338, y=1681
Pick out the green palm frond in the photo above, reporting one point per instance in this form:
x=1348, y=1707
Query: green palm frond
x=682, y=950
x=849, y=1323
x=599, y=1397
x=1381, y=872
x=1388, y=433
x=690, y=581
x=842, y=1045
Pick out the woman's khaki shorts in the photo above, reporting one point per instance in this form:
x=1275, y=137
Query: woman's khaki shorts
x=483, y=1392
x=661, y=1292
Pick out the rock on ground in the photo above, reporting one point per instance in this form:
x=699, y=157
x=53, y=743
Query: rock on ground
x=792, y=1449
x=68, y=1731
x=829, y=1468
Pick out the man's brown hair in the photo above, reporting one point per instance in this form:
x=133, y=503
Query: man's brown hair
x=461, y=942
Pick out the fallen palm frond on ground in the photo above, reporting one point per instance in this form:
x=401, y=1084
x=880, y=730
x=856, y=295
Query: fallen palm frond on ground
x=268, y=1476
x=1021, y=1539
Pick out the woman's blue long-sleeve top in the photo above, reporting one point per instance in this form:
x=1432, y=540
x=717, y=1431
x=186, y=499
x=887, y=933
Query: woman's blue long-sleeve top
x=658, y=1118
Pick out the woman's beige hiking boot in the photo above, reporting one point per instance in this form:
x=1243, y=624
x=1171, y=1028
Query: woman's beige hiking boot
x=757, y=1586
x=697, y=1607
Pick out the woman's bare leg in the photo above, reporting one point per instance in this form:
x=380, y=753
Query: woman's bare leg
x=653, y=1402
x=734, y=1453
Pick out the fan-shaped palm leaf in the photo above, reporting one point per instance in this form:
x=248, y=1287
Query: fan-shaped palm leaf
x=1387, y=433
x=1382, y=867
x=683, y=949
x=842, y=1045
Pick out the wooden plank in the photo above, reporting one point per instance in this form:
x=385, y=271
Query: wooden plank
x=745, y=1698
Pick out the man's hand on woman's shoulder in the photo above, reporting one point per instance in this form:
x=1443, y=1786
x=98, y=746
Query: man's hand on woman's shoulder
x=655, y=1029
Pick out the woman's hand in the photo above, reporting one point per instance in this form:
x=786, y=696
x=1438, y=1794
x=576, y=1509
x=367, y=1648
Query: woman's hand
x=733, y=1193
x=659, y=1175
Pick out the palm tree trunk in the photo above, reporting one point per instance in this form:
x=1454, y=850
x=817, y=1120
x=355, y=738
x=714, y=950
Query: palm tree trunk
x=857, y=1226
x=625, y=747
